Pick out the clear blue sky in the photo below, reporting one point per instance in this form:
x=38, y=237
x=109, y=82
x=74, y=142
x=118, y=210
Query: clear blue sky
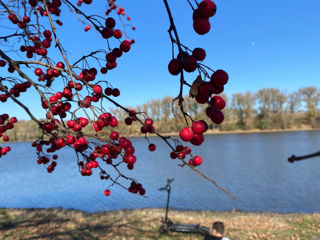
x=261, y=44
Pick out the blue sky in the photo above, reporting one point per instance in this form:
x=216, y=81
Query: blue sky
x=261, y=44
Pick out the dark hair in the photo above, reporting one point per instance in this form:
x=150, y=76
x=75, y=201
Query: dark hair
x=218, y=226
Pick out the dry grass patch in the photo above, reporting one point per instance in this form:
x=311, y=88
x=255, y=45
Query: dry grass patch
x=30, y=224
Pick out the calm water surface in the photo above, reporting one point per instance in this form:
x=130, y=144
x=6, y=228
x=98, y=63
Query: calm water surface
x=253, y=167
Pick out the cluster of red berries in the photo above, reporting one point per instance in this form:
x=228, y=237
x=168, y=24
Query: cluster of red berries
x=15, y=20
x=132, y=117
x=181, y=152
x=112, y=92
x=186, y=62
x=79, y=3
x=50, y=73
x=206, y=9
x=39, y=46
x=136, y=188
x=104, y=120
x=87, y=169
x=215, y=86
x=16, y=90
x=194, y=135
x=148, y=126
x=45, y=160
x=54, y=7
x=6, y=123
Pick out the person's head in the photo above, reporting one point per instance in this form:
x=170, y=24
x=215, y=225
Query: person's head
x=217, y=229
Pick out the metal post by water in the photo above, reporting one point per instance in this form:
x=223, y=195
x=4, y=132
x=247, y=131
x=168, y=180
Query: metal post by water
x=168, y=188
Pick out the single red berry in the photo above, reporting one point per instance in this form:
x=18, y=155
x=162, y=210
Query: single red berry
x=47, y=33
x=125, y=46
x=197, y=160
x=201, y=25
x=128, y=121
x=152, y=147
x=53, y=99
x=219, y=78
x=197, y=139
x=117, y=34
x=199, y=54
x=110, y=22
x=186, y=134
x=38, y=71
x=114, y=135
x=174, y=67
x=189, y=63
x=97, y=89
x=218, y=102
x=108, y=91
x=60, y=65
x=115, y=92
x=198, y=127
x=107, y=192
x=215, y=114
x=207, y=8
x=2, y=63
x=87, y=28
x=148, y=122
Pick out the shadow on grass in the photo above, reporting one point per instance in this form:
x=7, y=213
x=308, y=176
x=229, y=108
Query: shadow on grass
x=53, y=227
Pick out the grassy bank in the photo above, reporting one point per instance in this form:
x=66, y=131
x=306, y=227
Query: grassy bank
x=144, y=224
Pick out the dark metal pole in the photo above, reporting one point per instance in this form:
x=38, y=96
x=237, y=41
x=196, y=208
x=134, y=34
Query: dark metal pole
x=168, y=187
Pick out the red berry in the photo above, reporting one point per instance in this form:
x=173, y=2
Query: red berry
x=97, y=89
x=218, y=102
x=215, y=114
x=197, y=139
x=174, y=67
x=189, y=63
x=103, y=70
x=197, y=160
x=111, y=57
x=186, y=134
x=128, y=121
x=87, y=28
x=152, y=147
x=108, y=91
x=60, y=65
x=2, y=63
x=199, y=54
x=107, y=192
x=114, y=135
x=125, y=46
x=201, y=25
x=110, y=22
x=53, y=99
x=26, y=19
x=207, y=8
x=38, y=71
x=115, y=92
x=148, y=122
x=47, y=33
x=117, y=34
x=198, y=127
x=219, y=78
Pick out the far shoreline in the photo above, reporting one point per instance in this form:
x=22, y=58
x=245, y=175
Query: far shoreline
x=224, y=132
x=211, y=132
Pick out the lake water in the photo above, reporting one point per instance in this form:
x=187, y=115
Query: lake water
x=253, y=167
